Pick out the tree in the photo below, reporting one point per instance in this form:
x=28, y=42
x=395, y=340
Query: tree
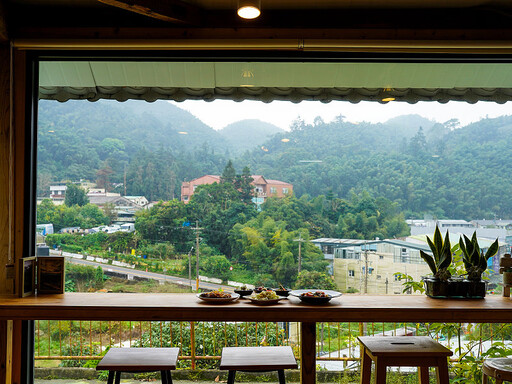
x=103, y=177
x=244, y=186
x=228, y=174
x=314, y=280
x=75, y=195
x=110, y=211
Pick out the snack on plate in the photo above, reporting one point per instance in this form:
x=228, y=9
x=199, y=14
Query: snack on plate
x=315, y=294
x=267, y=295
x=217, y=295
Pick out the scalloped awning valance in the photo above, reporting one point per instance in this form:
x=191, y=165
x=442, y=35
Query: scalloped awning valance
x=268, y=81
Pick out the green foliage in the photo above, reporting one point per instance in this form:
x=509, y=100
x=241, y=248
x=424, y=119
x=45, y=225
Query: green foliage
x=62, y=216
x=442, y=255
x=474, y=259
x=164, y=223
x=83, y=278
x=117, y=242
x=216, y=266
x=314, y=280
x=408, y=160
x=75, y=195
x=210, y=338
x=409, y=284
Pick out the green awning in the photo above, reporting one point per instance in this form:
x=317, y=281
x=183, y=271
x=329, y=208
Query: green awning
x=268, y=81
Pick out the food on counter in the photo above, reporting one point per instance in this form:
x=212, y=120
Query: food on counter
x=315, y=294
x=216, y=295
x=267, y=295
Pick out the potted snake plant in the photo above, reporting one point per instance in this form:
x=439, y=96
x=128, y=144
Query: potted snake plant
x=475, y=262
x=441, y=258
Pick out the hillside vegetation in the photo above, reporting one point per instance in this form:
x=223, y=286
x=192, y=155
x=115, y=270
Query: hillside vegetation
x=420, y=165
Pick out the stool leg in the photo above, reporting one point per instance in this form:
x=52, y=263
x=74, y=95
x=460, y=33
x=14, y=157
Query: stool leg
x=118, y=377
x=442, y=371
x=111, y=375
x=231, y=377
x=484, y=378
x=366, y=369
x=380, y=372
x=166, y=377
x=280, y=373
x=499, y=381
x=423, y=375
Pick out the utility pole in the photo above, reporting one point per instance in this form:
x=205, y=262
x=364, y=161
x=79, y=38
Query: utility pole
x=365, y=268
x=300, y=240
x=124, y=180
x=197, y=229
x=190, y=267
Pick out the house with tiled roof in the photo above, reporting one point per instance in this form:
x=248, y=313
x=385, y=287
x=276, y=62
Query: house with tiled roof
x=263, y=188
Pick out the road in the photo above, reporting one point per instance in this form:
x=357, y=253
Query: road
x=148, y=275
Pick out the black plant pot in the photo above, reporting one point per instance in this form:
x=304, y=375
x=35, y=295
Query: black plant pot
x=476, y=289
x=457, y=288
x=435, y=287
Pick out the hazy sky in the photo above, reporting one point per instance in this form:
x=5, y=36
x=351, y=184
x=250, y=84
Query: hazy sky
x=219, y=113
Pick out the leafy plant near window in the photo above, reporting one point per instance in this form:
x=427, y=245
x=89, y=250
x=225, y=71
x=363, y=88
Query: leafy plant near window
x=474, y=258
x=442, y=255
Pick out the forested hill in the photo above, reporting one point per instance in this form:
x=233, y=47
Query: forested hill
x=247, y=134
x=158, y=144
x=424, y=166
x=447, y=172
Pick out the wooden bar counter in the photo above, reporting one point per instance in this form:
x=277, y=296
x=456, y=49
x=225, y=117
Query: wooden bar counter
x=187, y=307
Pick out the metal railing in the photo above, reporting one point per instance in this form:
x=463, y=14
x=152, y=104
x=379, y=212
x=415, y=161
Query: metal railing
x=201, y=343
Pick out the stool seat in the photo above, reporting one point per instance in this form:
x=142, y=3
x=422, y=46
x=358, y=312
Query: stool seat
x=403, y=346
x=498, y=368
x=118, y=360
x=257, y=359
x=403, y=351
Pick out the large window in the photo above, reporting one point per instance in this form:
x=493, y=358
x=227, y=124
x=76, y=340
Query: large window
x=244, y=187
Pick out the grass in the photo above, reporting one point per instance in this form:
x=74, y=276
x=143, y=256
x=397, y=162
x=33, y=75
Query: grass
x=116, y=284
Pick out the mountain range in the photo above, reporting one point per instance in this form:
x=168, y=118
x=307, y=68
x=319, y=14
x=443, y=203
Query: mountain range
x=421, y=165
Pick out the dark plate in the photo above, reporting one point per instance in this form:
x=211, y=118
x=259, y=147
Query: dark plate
x=282, y=292
x=315, y=300
x=265, y=302
x=219, y=300
x=243, y=293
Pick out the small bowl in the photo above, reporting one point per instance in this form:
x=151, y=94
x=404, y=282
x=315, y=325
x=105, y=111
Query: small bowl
x=259, y=290
x=282, y=292
x=244, y=292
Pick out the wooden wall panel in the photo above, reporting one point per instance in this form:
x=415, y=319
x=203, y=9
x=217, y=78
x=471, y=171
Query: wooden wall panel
x=5, y=351
x=6, y=257
x=6, y=284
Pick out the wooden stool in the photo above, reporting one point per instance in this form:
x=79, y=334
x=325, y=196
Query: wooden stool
x=498, y=368
x=403, y=351
x=118, y=360
x=257, y=359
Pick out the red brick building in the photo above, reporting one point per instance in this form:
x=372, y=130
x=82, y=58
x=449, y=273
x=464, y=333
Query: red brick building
x=263, y=188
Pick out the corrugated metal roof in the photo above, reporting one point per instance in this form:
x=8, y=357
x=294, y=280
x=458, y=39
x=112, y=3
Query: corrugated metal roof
x=268, y=81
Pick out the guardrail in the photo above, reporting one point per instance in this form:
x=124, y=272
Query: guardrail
x=200, y=343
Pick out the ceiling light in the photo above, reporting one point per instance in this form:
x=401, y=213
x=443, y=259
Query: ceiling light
x=285, y=140
x=386, y=99
x=183, y=133
x=249, y=9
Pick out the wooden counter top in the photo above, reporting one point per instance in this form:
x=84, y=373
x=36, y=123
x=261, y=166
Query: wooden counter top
x=187, y=307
